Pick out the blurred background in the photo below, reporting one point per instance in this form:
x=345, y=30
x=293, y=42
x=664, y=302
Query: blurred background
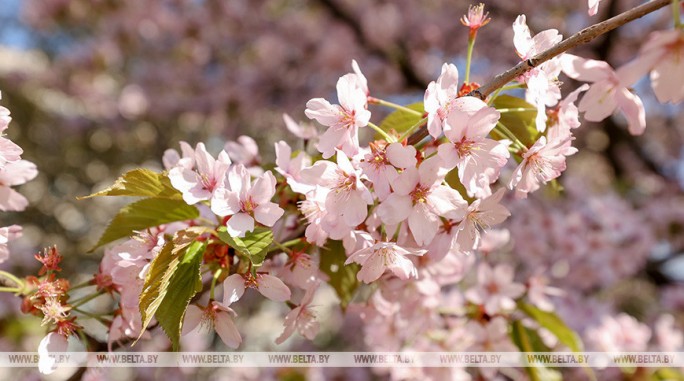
x=97, y=87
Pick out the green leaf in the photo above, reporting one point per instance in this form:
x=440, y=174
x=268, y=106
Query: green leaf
x=140, y=182
x=400, y=120
x=254, y=245
x=342, y=277
x=667, y=374
x=555, y=325
x=172, y=280
x=529, y=341
x=185, y=282
x=157, y=283
x=524, y=337
x=144, y=214
x=521, y=123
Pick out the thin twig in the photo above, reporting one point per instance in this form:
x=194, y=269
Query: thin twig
x=580, y=38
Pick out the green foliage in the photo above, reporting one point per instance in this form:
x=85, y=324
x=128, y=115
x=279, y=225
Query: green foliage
x=555, y=325
x=400, y=120
x=254, y=245
x=521, y=123
x=667, y=374
x=529, y=341
x=144, y=214
x=141, y=182
x=172, y=280
x=342, y=277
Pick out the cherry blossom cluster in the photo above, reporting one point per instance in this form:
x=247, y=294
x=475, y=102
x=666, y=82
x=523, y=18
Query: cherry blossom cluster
x=419, y=226
x=13, y=171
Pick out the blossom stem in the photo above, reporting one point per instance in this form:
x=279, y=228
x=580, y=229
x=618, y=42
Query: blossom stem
x=214, y=279
x=676, y=15
x=506, y=132
x=408, y=132
x=12, y=278
x=282, y=247
x=90, y=315
x=383, y=102
x=81, y=285
x=396, y=232
x=10, y=289
x=381, y=132
x=469, y=54
x=85, y=299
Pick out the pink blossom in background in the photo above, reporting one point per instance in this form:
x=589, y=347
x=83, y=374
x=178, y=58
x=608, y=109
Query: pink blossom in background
x=495, y=288
x=608, y=91
x=302, y=318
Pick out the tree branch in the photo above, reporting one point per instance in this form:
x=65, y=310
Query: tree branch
x=580, y=38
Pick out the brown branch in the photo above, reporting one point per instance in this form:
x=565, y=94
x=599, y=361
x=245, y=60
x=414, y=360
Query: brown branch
x=580, y=38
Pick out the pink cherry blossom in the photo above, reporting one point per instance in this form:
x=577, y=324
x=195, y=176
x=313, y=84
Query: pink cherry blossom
x=542, y=85
x=215, y=316
x=527, y=46
x=313, y=209
x=300, y=130
x=490, y=337
x=290, y=167
x=420, y=197
x=201, y=183
x=593, y=7
x=478, y=159
x=621, y=333
x=607, y=92
x=476, y=17
x=538, y=291
x=381, y=163
x=300, y=270
x=8, y=233
x=541, y=163
x=302, y=318
x=267, y=285
x=173, y=159
x=15, y=173
x=481, y=215
x=670, y=339
x=382, y=256
x=126, y=324
x=348, y=197
x=246, y=202
x=246, y=152
x=663, y=56
x=343, y=120
x=9, y=151
x=361, y=81
x=441, y=98
x=495, y=289
x=53, y=342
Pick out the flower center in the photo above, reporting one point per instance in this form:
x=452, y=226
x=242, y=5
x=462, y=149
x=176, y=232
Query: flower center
x=419, y=195
x=464, y=147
